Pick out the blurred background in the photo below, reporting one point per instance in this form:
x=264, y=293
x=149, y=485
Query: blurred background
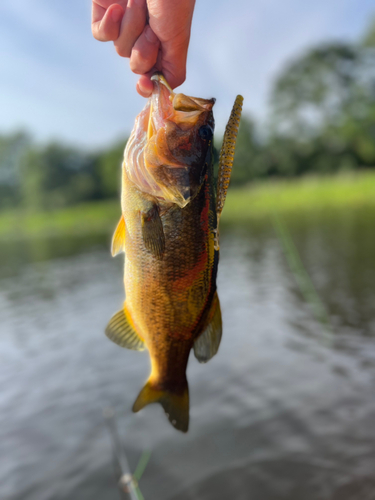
x=286, y=409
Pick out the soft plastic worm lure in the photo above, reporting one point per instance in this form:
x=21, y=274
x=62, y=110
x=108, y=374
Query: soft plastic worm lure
x=226, y=160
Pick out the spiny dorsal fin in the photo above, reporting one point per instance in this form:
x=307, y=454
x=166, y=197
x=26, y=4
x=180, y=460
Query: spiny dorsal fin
x=207, y=344
x=176, y=406
x=153, y=232
x=122, y=333
x=118, y=239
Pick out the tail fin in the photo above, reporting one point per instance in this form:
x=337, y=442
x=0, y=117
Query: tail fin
x=176, y=406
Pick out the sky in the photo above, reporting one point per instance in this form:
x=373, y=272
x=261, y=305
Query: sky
x=58, y=83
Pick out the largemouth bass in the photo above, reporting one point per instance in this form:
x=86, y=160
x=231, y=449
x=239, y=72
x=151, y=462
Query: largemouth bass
x=169, y=232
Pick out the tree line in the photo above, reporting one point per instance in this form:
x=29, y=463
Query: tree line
x=321, y=120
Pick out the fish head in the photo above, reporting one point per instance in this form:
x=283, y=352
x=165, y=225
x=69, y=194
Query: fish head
x=170, y=148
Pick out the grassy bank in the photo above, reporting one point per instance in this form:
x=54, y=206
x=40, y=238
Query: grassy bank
x=88, y=218
x=252, y=202
x=308, y=194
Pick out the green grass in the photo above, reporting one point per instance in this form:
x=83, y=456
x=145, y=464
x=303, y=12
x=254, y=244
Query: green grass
x=306, y=194
x=259, y=200
x=88, y=218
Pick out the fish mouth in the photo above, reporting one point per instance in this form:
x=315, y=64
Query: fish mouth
x=165, y=155
x=160, y=104
x=159, y=77
x=166, y=105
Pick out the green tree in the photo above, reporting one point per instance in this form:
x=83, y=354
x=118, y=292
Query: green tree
x=247, y=149
x=57, y=176
x=323, y=105
x=316, y=89
x=369, y=36
x=108, y=170
x=12, y=150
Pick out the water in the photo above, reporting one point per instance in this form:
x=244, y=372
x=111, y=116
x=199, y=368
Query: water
x=286, y=410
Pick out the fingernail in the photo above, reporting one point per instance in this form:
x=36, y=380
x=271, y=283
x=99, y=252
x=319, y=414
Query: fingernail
x=116, y=15
x=138, y=88
x=150, y=35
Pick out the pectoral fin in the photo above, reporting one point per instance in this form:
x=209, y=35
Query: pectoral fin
x=153, y=232
x=121, y=331
x=207, y=344
x=118, y=239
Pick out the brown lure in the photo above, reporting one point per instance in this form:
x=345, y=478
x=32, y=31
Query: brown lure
x=169, y=232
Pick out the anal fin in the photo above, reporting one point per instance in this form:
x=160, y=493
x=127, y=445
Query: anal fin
x=118, y=239
x=153, y=232
x=121, y=331
x=208, y=342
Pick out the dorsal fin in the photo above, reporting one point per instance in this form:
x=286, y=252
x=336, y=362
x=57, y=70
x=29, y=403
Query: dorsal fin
x=118, y=239
x=121, y=331
x=207, y=344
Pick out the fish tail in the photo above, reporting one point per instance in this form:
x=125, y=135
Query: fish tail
x=175, y=405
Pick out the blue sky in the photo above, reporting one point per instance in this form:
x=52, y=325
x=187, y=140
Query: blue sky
x=59, y=83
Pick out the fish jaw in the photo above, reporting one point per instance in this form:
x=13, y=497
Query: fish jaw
x=167, y=154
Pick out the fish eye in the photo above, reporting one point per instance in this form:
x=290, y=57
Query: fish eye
x=205, y=132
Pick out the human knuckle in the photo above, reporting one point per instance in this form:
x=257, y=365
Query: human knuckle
x=122, y=50
x=136, y=67
x=96, y=33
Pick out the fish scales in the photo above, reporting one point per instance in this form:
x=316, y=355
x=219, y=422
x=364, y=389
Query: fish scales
x=168, y=231
x=172, y=290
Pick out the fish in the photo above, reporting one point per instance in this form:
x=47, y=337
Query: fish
x=168, y=230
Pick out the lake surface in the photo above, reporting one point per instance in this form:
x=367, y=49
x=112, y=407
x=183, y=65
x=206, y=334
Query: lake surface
x=285, y=411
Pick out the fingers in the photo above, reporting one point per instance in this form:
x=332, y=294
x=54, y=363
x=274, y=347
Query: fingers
x=175, y=71
x=171, y=22
x=145, y=52
x=162, y=44
x=106, y=23
x=132, y=27
x=173, y=62
x=144, y=85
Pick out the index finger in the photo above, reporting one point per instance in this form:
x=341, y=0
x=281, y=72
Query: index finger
x=105, y=23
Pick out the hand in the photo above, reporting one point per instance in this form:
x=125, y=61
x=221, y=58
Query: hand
x=154, y=34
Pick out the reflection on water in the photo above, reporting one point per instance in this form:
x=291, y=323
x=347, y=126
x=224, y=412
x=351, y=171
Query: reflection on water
x=276, y=415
